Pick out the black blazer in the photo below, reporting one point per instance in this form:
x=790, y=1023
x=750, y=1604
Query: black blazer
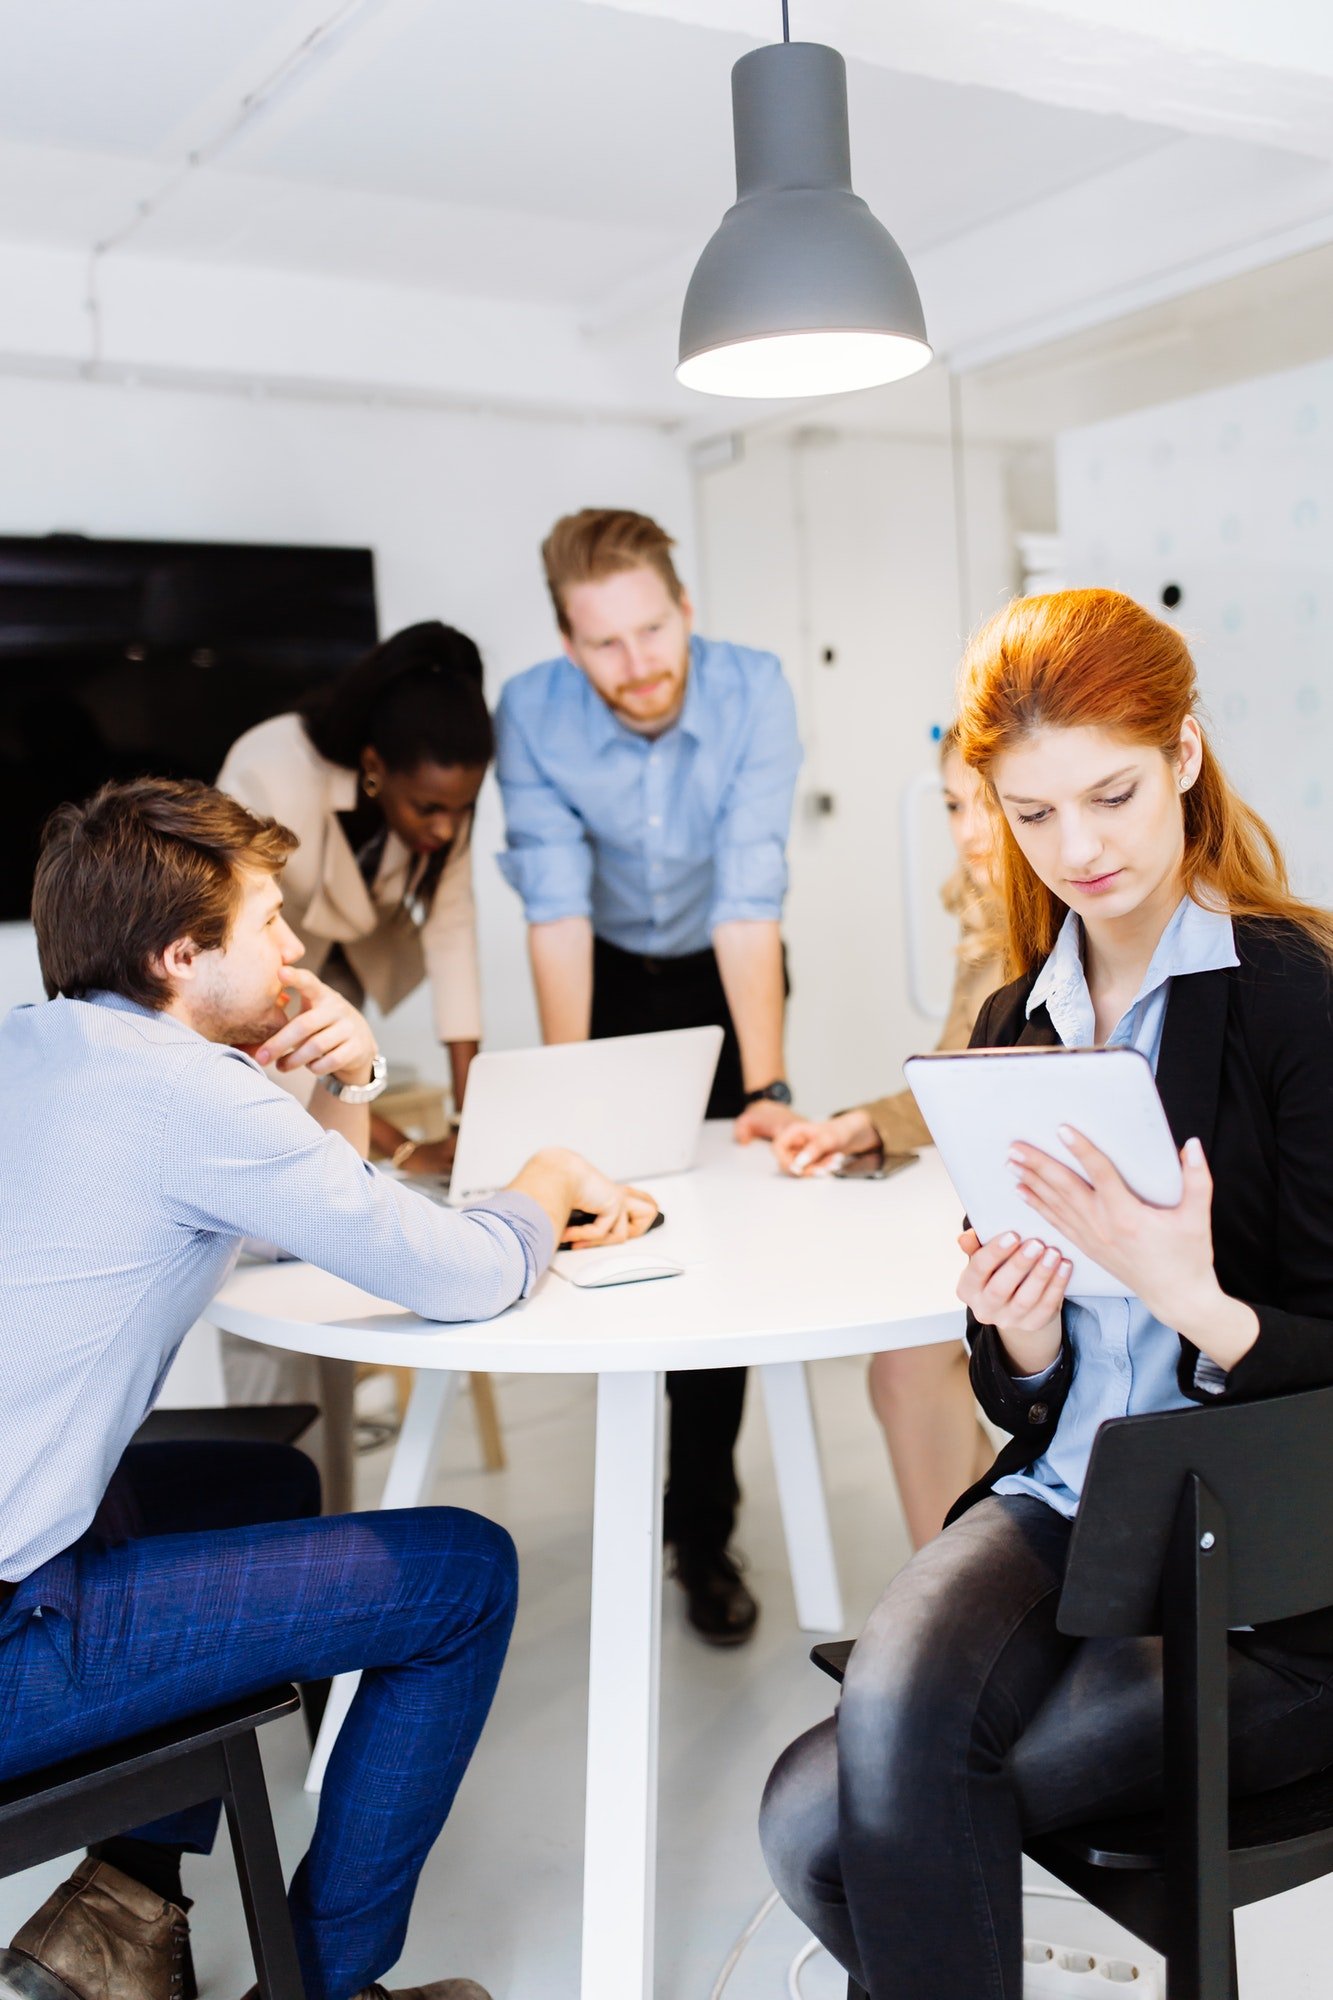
x=1246, y=1066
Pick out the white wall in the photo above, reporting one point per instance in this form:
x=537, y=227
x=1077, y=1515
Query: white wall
x=453, y=505
x=1230, y=496
x=816, y=541
x=811, y=539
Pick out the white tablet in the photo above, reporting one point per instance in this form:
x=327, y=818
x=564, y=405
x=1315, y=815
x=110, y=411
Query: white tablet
x=980, y=1102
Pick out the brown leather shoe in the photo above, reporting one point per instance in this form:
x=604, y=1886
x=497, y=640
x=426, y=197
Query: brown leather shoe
x=102, y=1936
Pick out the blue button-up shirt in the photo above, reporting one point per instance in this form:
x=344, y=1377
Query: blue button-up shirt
x=1125, y=1361
x=656, y=839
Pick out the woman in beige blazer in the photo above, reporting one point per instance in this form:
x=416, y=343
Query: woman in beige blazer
x=921, y=1395
x=377, y=776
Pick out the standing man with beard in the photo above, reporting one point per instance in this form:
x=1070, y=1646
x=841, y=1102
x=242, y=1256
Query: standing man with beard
x=647, y=776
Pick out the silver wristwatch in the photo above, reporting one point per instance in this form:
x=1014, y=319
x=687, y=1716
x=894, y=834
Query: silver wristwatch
x=359, y=1093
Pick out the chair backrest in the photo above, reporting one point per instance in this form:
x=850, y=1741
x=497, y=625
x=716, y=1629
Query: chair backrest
x=1268, y=1465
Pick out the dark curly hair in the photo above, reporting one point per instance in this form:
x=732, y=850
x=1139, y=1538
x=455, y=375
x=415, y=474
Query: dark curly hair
x=416, y=698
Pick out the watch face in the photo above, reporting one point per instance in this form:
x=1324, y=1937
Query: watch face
x=774, y=1093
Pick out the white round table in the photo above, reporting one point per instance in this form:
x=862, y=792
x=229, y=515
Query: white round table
x=777, y=1272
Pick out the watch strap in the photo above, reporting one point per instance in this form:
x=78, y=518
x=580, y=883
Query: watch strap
x=360, y=1093
x=778, y=1092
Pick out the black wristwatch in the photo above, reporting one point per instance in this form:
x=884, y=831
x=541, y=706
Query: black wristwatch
x=776, y=1093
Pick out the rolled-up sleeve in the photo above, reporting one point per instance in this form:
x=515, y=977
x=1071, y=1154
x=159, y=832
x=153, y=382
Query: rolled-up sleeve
x=239, y=1156
x=547, y=856
x=750, y=855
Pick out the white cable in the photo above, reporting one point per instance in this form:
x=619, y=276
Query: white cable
x=802, y=1959
x=812, y=1946
x=315, y=45
x=733, y=1957
x=909, y=850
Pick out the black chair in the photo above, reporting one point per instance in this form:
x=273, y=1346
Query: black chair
x=208, y=1756
x=243, y=1423
x=229, y=1423
x=1191, y=1522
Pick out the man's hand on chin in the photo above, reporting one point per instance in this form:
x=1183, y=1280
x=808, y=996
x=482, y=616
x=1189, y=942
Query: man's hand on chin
x=328, y=1036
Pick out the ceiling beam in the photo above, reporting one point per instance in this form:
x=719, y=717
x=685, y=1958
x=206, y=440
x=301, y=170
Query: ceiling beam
x=1260, y=73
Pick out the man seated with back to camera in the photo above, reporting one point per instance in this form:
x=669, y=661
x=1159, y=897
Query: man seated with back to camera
x=140, y=1142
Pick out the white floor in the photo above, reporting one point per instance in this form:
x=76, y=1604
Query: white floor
x=499, y=1899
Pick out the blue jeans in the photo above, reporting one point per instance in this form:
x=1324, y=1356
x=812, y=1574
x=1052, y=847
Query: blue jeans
x=109, y=1639
x=895, y=1830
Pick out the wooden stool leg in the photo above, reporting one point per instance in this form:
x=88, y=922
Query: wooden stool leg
x=488, y=1422
x=402, y=1389
x=337, y=1386
x=259, y=1870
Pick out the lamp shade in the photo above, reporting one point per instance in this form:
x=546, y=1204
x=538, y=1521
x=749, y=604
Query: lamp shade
x=800, y=292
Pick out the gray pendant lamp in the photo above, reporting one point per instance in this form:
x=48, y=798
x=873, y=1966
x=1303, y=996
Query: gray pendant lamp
x=801, y=292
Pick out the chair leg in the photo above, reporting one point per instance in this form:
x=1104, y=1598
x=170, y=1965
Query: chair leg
x=488, y=1422
x=259, y=1870
x=314, y=1700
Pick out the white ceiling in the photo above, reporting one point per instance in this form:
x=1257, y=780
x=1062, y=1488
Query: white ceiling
x=538, y=149
x=570, y=157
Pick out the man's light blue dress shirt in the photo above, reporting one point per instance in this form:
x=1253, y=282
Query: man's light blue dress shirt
x=1125, y=1361
x=135, y=1157
x=656, y=839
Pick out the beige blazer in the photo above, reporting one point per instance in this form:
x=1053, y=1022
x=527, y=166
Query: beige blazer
x=276, y=769
x=978, y=970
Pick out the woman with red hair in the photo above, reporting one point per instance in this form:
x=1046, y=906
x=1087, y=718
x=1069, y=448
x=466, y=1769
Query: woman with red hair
x=1147, y=907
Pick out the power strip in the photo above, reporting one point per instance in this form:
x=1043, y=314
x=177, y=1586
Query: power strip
x=1063, y=1972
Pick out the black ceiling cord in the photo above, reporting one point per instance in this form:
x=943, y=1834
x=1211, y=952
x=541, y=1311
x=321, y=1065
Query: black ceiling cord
x=786, y=29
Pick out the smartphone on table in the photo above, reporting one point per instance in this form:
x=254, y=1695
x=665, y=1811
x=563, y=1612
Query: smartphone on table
x=872, y=1166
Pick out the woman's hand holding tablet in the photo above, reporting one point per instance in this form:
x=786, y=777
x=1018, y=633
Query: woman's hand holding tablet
x=1018, y=1288
x=983, y=1105
x=1163, y=1256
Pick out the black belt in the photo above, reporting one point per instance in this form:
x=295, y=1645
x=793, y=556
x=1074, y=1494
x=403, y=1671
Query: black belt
x=6, y=1591
x=686, y=961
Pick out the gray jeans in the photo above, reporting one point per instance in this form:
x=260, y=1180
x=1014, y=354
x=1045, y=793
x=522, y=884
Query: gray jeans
x=895, y=1829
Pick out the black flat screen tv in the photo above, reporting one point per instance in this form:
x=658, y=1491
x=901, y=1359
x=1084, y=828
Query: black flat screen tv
x=124, y=658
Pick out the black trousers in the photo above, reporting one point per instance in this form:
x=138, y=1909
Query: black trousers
x=895, y=1829
x=634, y=995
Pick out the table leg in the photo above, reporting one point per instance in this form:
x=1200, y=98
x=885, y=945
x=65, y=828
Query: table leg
x=800, y=1477
x=410, y=1475
x=620, y=1838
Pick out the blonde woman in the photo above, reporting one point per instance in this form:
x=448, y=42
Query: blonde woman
x=921, y=1395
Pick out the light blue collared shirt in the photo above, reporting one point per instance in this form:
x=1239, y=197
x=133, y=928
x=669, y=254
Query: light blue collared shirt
x=1125, y=1361
x=134, y=1159
x=656, y=839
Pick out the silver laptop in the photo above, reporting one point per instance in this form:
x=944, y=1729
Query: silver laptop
x=633, y=1105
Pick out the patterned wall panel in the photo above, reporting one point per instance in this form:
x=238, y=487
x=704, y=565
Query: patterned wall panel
x=1217, y=512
